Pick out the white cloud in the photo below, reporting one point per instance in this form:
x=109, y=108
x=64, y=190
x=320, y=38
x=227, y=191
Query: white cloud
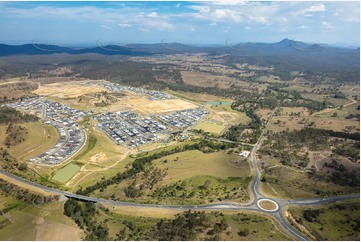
x=327, y=25
x=152, y=15
x=260, y=19
x=124, y=25
x=143, y=30
x=228, y=2
x=106, y=26
x=200, y=9
x=316, y=8
x=312, y=9
x=213, y=24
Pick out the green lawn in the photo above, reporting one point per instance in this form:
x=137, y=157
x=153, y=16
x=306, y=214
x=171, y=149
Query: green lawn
x=64, y=174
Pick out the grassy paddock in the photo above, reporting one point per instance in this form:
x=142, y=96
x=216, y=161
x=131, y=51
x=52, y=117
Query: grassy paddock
x=38, y=139
x=186, y=164
x=338, y=221
x=44, y=222
x=63, y=175
x=210, y=127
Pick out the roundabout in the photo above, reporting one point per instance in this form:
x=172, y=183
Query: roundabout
x=267, y=205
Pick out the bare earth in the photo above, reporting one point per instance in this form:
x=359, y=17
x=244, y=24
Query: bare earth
x=67, y=90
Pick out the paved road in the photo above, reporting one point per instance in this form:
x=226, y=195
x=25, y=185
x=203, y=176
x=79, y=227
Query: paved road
x=278, y=215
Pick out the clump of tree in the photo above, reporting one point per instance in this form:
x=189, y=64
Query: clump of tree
x=24, y=194
x=342, y=176
x=352, y=151
x=85, y=216
x=15, y=135
x=8, y=115
x=235, y=131
x=188, y=226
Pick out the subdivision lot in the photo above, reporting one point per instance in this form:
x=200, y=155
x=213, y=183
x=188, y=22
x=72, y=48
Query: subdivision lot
x=64, y=174
x=142, y=104
x=67, y=90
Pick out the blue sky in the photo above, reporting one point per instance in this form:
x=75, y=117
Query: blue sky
x=185, y=22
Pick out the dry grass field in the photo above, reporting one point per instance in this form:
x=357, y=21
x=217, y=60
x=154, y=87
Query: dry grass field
x=67, y=90
x=211, y=127
x=194, y=162
x=294, y=123
x=68, y=93
x=38, y=139
x=143, y=105
x=44, y=222
x=225, y=115
x=203, y=79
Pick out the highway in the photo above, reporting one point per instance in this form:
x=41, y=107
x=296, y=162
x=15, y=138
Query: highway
x=252, y=206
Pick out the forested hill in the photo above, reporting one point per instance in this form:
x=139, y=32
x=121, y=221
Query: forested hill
x=286, y=55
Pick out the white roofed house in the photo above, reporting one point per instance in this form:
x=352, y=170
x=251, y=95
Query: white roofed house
x=245, y=153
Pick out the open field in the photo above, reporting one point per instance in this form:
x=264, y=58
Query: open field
x=64, y=174
x=198, y=97
x=39, y=138
x=144, y=105
x=335, y=222
x=67, y=90
x=292, y=184
x=219, y=80
x=226, y=177
x=210, y=127
x=271, y=79
x=296, y=123
x=194, y=162
x=16, y=89
x=43, y=222
x=321, y=98
x=226, y=115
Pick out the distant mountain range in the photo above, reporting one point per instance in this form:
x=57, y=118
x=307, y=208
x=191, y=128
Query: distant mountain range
x=285, y=46
x=286, y=54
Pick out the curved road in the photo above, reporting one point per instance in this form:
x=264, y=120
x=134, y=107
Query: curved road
x=254, y=188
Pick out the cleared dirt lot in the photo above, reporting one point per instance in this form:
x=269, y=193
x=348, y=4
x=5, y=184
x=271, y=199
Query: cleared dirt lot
x=144, y=105
x=67, y=89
